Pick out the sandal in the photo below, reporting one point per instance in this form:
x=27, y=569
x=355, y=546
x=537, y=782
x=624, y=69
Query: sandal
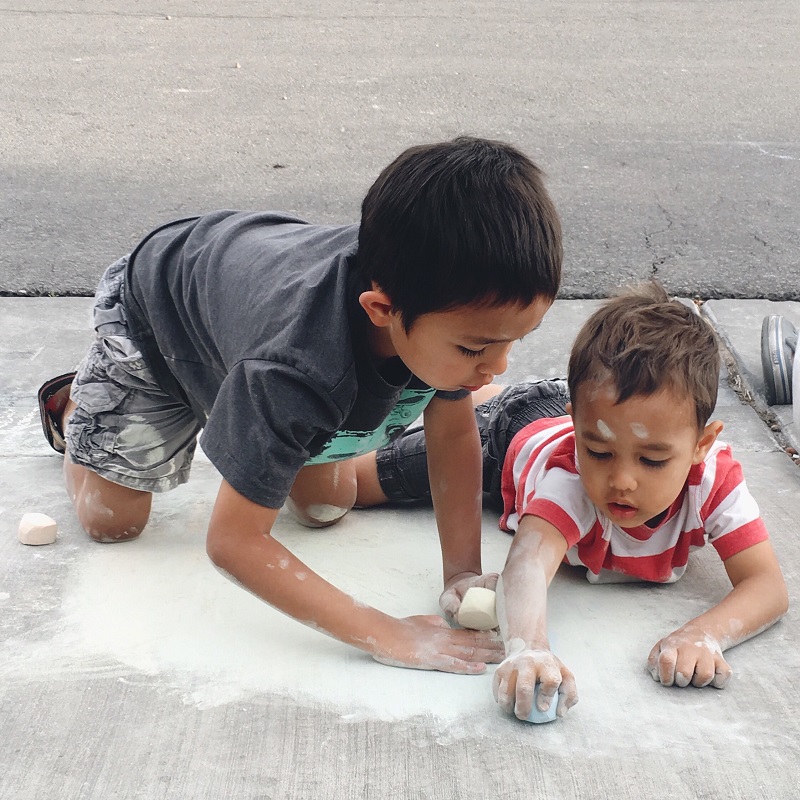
x=53, y=397
x=778, y=345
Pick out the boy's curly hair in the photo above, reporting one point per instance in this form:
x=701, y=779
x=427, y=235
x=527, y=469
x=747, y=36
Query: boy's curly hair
x=644, y=341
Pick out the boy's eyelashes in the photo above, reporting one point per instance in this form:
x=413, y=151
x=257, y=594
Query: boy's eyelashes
x=657, y=464
x=601, y=455
x=475, y=353
x=471, y=353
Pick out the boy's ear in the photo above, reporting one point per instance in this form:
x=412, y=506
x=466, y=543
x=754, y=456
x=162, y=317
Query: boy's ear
x=378, y=306
x=707, y=438
x=569, y=411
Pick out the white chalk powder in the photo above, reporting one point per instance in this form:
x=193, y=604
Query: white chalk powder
x=158, y=608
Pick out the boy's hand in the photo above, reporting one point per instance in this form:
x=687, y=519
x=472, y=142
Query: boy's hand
x=516, y=678
x=427, y=642
x=450, y=599
x=693, y=653
x=689, y=655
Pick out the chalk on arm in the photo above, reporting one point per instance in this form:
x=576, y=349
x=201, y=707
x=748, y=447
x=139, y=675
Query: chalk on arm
x=477, y=609
x=35, y=528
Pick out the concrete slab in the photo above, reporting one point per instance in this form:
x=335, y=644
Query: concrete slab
x=136, y=671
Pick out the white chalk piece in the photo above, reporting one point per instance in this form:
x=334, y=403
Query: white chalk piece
x=37, y=528
x=477, y=609
x=543, y=716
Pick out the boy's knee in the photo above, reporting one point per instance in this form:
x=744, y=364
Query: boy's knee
x=108, y=535
x=315, y=515
x=107, y=511
x=107, y=522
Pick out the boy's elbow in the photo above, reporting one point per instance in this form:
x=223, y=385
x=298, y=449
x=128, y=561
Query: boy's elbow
x=782, y=592
x=217, y=548
x=778, y=594
x=783, y=600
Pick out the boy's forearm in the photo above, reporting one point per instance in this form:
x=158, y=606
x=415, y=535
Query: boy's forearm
x=758, y=598
x=263, y=566
x=457, y=497
x=240, y=545
x=752, y=606
x=522, y=608
x=531, y=675
x=532, y=561
x=455, y=470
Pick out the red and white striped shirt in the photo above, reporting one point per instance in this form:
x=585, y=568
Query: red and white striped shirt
x=541, y=477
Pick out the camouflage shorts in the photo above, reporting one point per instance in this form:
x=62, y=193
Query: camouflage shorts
x=126, y=428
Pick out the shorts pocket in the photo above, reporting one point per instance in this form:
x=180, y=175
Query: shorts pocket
x=124, y=364
x=93, y=390
x=91, y=436
x=95, y=397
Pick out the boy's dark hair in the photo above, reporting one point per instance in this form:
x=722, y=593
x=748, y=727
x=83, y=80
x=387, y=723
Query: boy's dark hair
x=644, y=342
x=460, y=223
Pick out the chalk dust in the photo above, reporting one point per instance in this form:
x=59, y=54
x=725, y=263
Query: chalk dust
x=156, y=607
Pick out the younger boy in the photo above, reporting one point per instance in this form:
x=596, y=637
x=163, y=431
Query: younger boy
x=626, y=485
x=296, y=346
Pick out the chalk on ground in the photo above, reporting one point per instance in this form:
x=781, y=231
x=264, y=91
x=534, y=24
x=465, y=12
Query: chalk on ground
x=477, y=610
x=35, y=528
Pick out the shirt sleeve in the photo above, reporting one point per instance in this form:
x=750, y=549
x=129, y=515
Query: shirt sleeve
x=259, y=430
x=730, y=514
x=559, y=498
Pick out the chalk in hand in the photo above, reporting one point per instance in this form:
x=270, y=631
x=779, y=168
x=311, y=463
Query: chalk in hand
x=35, y=528
x=543, y=716
x=477, y=610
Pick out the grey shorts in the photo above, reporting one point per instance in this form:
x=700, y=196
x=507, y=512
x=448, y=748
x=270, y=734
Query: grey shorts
x=403, y=464
x=126, y=428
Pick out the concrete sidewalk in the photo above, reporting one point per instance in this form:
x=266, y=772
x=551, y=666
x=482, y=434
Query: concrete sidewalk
x=135, y=671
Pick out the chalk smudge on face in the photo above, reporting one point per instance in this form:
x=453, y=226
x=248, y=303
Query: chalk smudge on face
x=639, y=430
x=605, y=431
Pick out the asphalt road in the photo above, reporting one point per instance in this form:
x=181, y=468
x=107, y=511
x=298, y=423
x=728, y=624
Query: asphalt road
x=670, y=131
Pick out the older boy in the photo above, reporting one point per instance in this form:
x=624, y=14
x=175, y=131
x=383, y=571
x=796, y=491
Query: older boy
x=625, y=486
x=295, y=346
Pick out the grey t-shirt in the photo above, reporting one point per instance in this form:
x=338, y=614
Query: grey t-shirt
x=253, y=320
